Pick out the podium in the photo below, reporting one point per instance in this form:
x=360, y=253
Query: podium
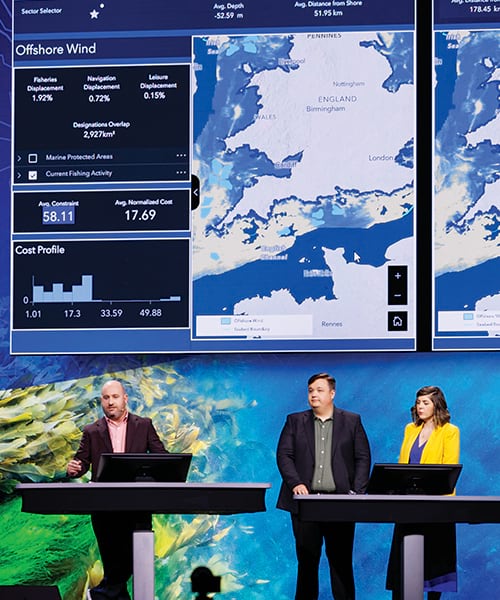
x=150, y=498
x=402, y=509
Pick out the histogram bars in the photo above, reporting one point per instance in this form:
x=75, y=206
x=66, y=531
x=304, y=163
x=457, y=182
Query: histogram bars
x=82, y=292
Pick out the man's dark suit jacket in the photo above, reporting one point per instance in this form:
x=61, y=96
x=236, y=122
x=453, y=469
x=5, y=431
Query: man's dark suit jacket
x=295, y=454
x=141, y=437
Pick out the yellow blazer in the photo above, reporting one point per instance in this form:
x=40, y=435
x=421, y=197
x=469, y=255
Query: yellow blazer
x=443, y=446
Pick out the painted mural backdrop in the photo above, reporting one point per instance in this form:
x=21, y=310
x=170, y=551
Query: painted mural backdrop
x=228, y=410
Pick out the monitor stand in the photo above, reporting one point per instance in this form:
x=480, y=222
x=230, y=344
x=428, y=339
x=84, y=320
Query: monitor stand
x=144, y=565
x=412, y=567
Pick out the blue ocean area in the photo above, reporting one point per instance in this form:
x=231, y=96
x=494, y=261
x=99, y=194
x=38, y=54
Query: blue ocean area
x=472, y=90
x=483, y=162
x=206, y=81
x=238, y=169
x=225, y=85
x=399, y=55
x=474, y=87
x=406, y=156
x=465, y=82
x=225, y=103
x=462, y=289
x=217, y=294
x=446, y=75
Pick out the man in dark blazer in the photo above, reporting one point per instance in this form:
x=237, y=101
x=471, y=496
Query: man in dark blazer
x=117, y=431
x=322, y=450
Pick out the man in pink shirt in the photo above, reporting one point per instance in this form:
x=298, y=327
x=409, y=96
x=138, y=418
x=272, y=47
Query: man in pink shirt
x=117, y=431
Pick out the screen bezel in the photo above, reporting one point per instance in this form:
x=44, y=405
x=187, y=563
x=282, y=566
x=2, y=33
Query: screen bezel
x=428, y=479
x=126, y=467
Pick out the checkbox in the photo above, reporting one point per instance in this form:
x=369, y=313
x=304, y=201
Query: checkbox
x=32, y=175
x=32, y=159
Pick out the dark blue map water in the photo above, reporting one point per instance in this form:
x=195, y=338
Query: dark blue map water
x=467, y=211
x=217, y=294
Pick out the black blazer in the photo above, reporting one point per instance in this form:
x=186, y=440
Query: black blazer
x=141, y=437
x=295, y=455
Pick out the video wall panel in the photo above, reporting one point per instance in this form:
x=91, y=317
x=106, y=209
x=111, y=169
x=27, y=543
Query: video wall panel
x=268, y=150
x=467, y=175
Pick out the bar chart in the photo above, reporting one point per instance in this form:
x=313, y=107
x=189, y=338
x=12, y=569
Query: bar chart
x=101, y=284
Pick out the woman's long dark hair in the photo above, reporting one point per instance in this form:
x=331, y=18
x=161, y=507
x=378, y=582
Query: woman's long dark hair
x=441, y=413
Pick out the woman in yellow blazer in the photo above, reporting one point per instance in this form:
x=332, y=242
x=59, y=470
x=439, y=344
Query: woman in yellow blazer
x=430, y=439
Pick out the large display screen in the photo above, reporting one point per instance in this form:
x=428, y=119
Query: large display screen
x=467, y=175
x=213, y=176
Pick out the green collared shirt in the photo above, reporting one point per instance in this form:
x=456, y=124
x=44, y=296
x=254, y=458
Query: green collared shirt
x=323, y=476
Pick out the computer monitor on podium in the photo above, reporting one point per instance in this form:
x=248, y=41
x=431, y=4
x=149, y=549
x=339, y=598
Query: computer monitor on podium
x=396, y=478
x=145, y=467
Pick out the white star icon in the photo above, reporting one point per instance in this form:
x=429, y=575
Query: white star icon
x=94, y=14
